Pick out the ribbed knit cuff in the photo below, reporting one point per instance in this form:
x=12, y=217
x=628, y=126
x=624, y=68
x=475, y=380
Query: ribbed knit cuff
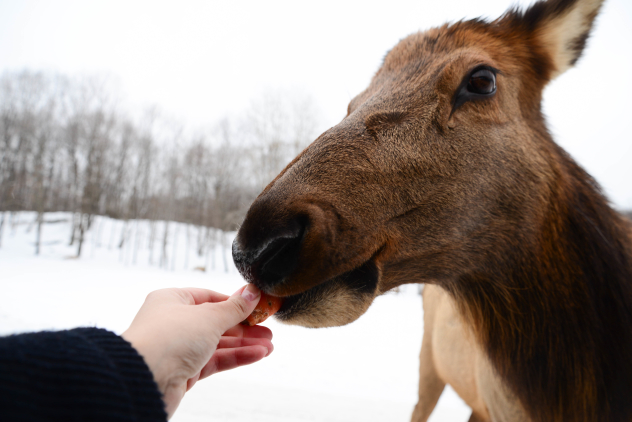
x=85, y=374
x=143, y=390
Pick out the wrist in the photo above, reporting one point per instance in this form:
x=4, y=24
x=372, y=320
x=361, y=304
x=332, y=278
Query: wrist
x=168, y=386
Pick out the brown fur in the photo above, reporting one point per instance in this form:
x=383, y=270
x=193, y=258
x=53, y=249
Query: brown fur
x=478, y=200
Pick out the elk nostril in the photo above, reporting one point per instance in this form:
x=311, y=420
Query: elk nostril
x=271, y=262
x=279, y=258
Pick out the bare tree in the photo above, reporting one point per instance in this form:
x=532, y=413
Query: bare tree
x=65, y=145
x=171, y=178
x=280, y=124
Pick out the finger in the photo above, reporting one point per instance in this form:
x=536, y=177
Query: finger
x=234, y=342
x=225, y=359
x=200, y=296
x=236, y=308
x=256, y=331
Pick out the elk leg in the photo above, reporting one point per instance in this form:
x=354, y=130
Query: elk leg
x=430, y=385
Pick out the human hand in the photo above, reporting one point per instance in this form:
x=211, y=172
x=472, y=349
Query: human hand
x=185, y=335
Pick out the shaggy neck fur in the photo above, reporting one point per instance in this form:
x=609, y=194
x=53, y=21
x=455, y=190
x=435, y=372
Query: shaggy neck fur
x=555, y=316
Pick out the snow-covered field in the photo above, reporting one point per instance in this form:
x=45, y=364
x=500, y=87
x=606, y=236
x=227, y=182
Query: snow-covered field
x=366, y=371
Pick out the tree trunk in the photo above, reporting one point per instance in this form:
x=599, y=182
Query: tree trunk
x=73, y=229
x=40, y=222
x=123, y=234
x=201, y=240
x=136, y=241
x=214, y=253
x=80, y=240
x=112, y=232
x=2, y=226
x=152, y=239
x=207, y=249
x=99, y=232
x=165, y=238
x=186, y=250
x=175, y=247
x=15, y=221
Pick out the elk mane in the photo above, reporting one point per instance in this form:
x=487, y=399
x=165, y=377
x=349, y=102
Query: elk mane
x=554, y=309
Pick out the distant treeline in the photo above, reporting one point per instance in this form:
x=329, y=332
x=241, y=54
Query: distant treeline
x=67, y=145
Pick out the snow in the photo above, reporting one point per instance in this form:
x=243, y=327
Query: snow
x=364, y=371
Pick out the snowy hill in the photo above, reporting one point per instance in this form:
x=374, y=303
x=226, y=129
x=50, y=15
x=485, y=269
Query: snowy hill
x=364, y=371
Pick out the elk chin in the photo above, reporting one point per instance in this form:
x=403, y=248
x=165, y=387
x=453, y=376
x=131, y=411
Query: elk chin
x=338, y=301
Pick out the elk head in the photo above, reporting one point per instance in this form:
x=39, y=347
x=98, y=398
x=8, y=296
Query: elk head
x=442, y=167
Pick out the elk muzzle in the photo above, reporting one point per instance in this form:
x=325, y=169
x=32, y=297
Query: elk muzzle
x=272, y=258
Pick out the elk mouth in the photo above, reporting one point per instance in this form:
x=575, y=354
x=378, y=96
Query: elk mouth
x=357, y=286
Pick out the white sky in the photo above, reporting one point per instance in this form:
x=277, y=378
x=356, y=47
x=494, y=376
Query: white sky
x=201, y=60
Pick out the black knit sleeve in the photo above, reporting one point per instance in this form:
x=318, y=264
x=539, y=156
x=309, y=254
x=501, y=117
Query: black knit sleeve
x=85, y=374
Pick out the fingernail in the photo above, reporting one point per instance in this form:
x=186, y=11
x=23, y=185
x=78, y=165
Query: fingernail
x=251, y=293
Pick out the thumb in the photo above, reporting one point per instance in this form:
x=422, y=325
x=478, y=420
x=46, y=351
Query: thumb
x=237, y=307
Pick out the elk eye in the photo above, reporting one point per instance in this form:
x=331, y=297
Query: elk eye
x=479, y=84
x=482, y=82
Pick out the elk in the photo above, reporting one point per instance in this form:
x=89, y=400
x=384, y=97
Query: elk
x=443, y=172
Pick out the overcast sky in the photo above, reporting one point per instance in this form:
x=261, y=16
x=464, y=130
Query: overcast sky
x=201, y=60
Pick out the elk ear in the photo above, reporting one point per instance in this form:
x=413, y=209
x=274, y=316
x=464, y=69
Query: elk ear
x=561, y=28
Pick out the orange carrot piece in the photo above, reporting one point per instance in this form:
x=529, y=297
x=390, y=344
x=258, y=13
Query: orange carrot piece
x=267, y=306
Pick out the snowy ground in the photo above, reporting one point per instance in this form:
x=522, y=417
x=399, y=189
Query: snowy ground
x=366, y=371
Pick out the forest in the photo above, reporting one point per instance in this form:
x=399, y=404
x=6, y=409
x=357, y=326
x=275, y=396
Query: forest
x=69, y=144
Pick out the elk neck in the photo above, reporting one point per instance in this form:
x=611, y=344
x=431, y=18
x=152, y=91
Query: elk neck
x=553, y=310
